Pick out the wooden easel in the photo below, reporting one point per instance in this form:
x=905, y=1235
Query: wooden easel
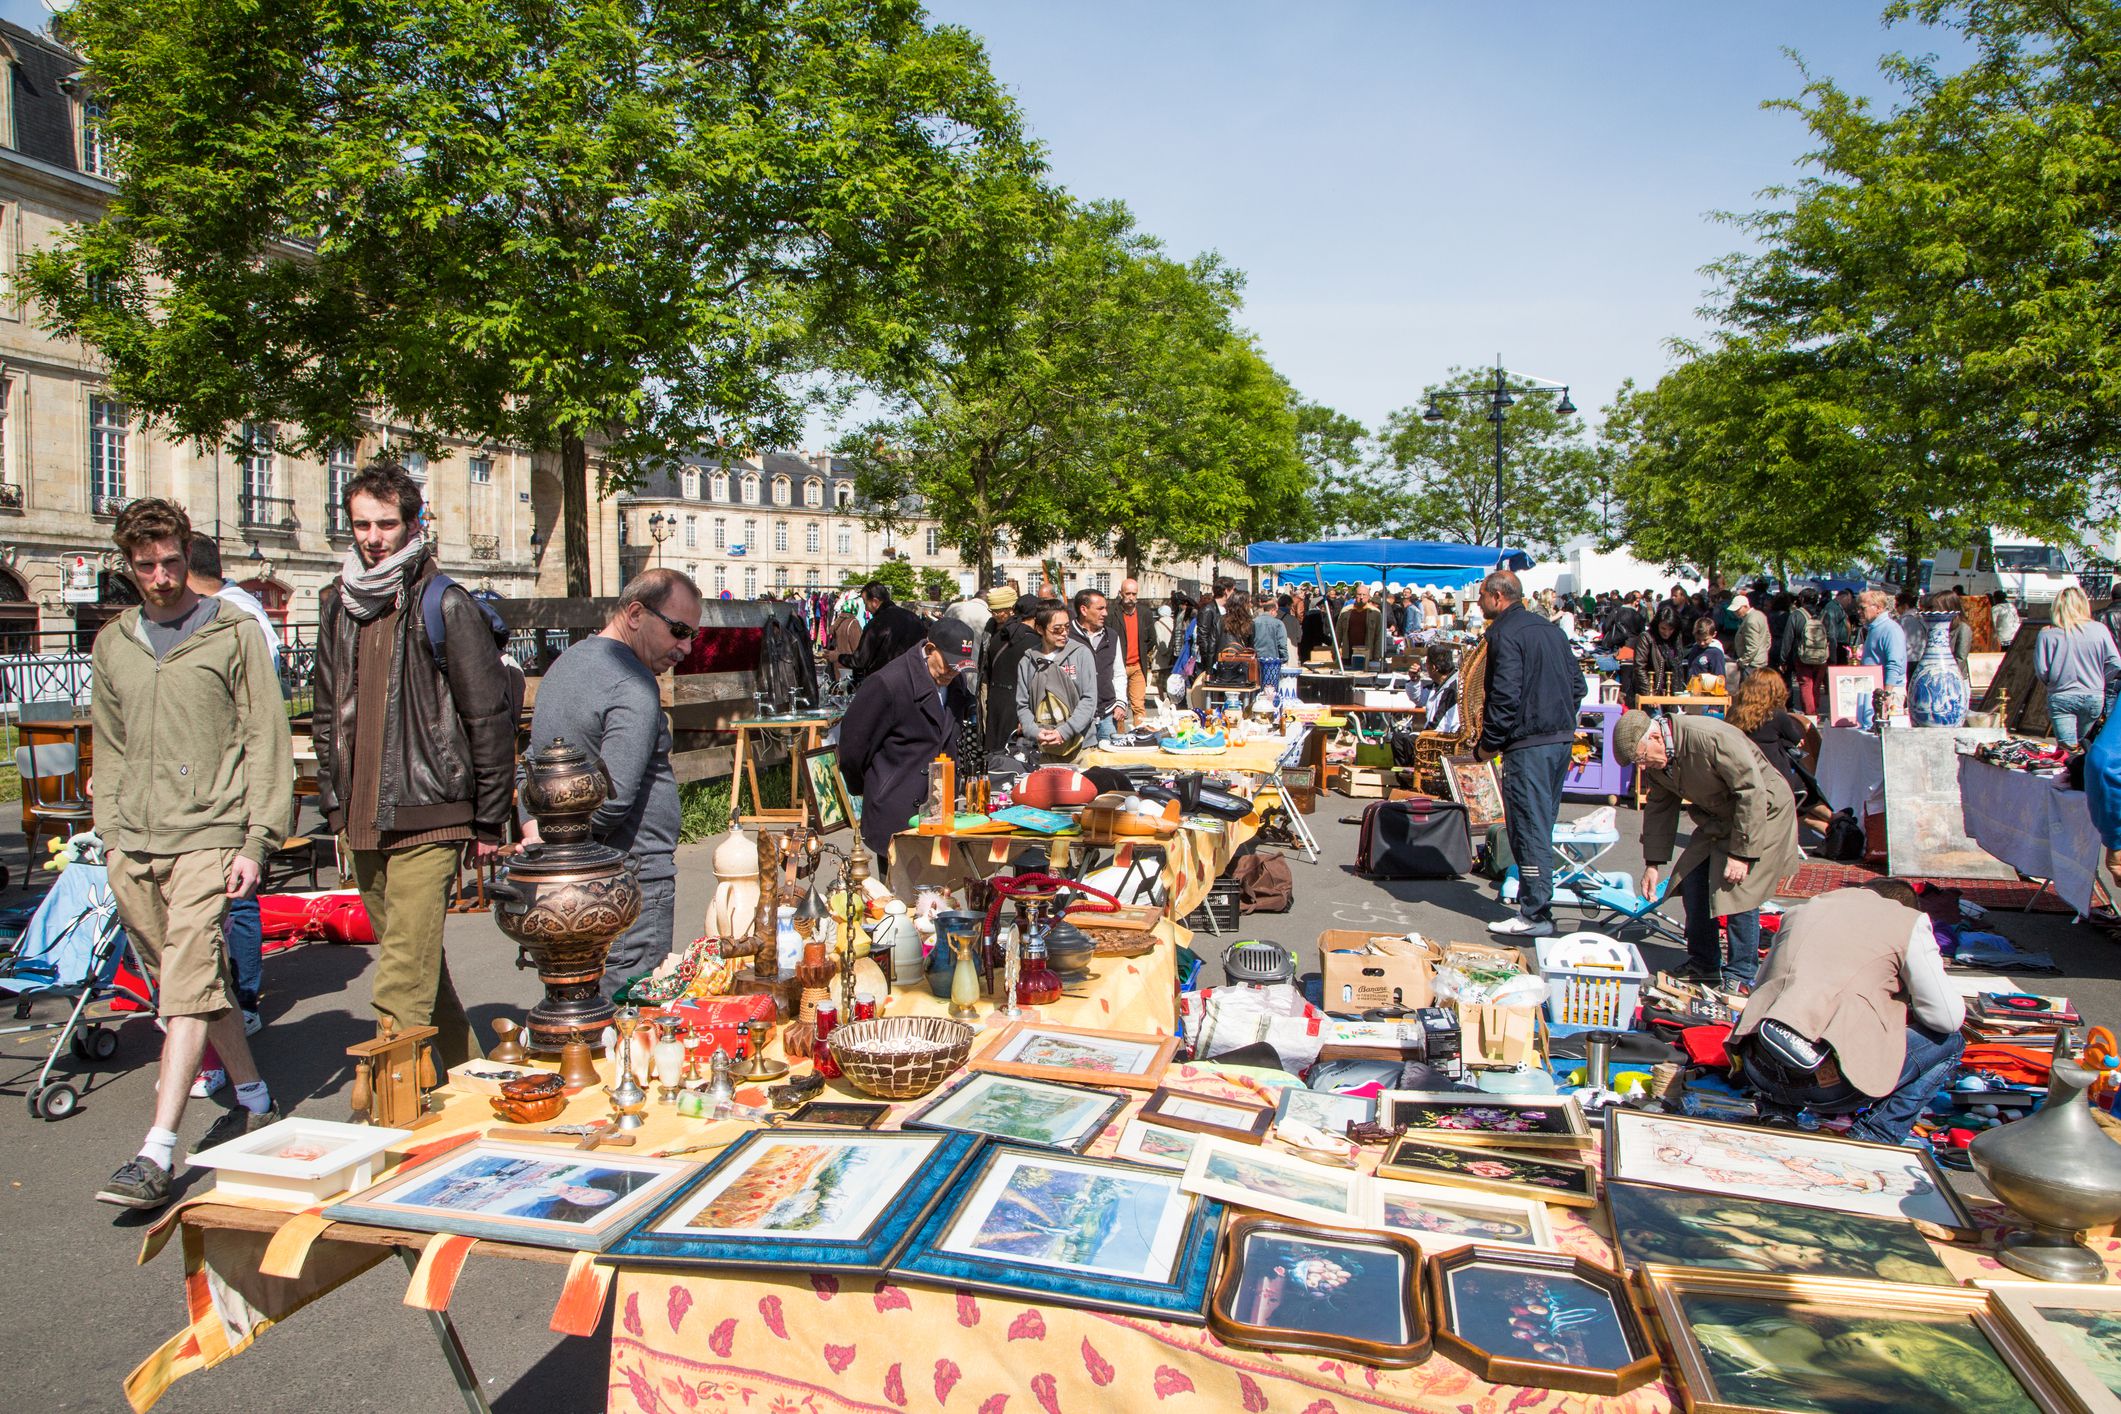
x=746, y=770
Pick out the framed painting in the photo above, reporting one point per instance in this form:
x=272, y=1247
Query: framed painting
x=1555, y=1179
x=1754, y=1344
x=1440, y=1219
x=818, y=777
x=1540, y=1319
x=1291, y=1286
x=1099, y=1233
x=2072, y=1331
x=1515, y=1121
x=520, y=1193
x=1022, y=1111
x=840, y=1114
x=1473, y=784
x=1321, y=1109
x=1220, y=1119
x=1275, y=1183
x=1155, y=1145
x=1715, y=1231
x=1848, y=695
x=1781, y=1166
x=1037, y=1050
x=796, y=1199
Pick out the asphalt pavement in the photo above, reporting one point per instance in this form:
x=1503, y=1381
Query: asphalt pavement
x=79, y=1314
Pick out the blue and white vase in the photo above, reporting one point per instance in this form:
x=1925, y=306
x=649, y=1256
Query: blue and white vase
x=1936, y=695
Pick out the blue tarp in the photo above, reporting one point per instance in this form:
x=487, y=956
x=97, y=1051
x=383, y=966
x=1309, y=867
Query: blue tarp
x=1394, y=562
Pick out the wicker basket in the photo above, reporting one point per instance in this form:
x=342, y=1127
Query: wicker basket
x=900, y=1075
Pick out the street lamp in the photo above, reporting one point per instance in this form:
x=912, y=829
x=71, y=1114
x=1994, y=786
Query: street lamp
x=1501, y=395
x=660, y=527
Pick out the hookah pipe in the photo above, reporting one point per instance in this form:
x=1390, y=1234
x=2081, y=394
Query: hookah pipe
x=1008, y=887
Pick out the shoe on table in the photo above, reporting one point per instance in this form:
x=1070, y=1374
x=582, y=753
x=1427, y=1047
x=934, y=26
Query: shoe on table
x=140, y=1182
x=237, y=1123
x=1519, y=926
x=209, y=1079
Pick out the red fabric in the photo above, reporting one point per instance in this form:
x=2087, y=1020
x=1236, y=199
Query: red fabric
x=1704, y=1044
x=2027, y=1065
x=132, y=981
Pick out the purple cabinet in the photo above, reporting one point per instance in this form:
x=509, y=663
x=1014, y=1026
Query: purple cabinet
x=1601, y=774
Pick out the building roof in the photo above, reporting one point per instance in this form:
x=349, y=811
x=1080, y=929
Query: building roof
x=44, y=112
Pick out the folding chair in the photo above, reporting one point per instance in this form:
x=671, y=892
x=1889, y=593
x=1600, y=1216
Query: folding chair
x=1621, y=905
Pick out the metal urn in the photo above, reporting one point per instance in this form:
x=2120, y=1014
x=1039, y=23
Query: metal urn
x=565, y=899
x=2060, y=1172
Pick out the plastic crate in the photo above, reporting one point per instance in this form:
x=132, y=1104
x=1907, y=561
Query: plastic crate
x=1221, y=911
x=1592, y=980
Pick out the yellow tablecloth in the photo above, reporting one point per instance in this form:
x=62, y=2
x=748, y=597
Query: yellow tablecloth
x=1257, y=757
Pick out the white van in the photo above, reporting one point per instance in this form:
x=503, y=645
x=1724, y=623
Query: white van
x=2031, y=573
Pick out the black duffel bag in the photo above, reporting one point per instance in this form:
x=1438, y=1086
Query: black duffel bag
x=1423, y=838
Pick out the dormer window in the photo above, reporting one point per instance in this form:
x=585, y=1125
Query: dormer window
x=751, y=490
x=781, y=490
x=721, y=486
x=692, y=486
x=99, y=158
x=813, y=492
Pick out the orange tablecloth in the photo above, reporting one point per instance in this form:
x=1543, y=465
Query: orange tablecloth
x=1194, y=858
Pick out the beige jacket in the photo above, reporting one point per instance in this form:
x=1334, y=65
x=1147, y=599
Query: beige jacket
x=192, y=752
x=1836, y=974
x=1740, y=806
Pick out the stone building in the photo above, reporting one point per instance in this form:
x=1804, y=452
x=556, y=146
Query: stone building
x=71, y=455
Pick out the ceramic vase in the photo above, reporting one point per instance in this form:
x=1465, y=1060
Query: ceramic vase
x=2060, y=1173
x=1936, y=695
x=896, y=939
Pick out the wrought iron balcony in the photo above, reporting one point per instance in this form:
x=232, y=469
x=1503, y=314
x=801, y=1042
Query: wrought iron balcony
x=337, y=523
x=273, y=513
x=485, y=547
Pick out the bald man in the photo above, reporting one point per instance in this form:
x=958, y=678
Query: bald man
x=1136, y=627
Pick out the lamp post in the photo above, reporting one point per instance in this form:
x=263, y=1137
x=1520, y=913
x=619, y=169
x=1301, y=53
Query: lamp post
x=1502, y=394
x=660, y=527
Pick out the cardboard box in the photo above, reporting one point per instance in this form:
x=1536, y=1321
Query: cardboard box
x=1502, y=1037
x=1364, y=969
x=1365, y=783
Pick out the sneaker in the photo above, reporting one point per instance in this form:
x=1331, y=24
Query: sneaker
x=1691, y=973
x=1735, y=985
x=252, y=1023
x=237, y=1123
x=209, y=1079
x=140, y=1182
x=1521, y=927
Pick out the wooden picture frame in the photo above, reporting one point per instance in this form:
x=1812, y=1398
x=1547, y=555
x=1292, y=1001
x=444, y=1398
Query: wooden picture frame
x=1963, y=1325
x=1473, y=784
x=1514, y=1348
x=2092, y=1378
x=1362, y=1277
x=1039, y=1050
x=1438, y=1219
x=1680, y=1227
x=1678, y=1151
x=1551, y=1178
x=1505, y=1121
x=824, y=790
x=840, y=1114
x=1008, y=1108
x=1208, y=1114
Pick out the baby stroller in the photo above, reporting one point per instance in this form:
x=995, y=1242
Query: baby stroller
x=70, y=950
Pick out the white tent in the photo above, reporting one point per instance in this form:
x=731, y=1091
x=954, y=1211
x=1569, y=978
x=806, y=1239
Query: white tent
x=1582, y=567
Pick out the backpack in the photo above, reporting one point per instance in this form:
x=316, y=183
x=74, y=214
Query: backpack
x=431, y=618
x=1813, y=650
x=1054, y=695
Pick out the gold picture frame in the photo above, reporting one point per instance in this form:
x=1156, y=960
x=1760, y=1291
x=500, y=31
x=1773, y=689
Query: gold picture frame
x=1039, y=1050
x=2024, y=1307
x=821, y=786
x=1549, y=1122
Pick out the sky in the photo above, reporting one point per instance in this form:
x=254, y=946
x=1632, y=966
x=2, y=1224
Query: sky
x=1416, y=185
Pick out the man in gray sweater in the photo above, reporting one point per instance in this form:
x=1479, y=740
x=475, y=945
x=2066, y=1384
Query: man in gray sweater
x=601, y=696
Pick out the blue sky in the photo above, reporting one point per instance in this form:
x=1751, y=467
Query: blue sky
x=1411, y=185
x=1415, y=185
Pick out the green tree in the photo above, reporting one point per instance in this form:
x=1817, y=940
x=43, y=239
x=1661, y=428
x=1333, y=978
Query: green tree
x=939, y=585
x=1351, y=500
x=1436, y=481
x=610, y=223
x=895, y=575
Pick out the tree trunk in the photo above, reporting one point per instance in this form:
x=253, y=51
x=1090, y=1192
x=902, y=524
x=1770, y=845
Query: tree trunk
x=1130, y=551
x=574, y=513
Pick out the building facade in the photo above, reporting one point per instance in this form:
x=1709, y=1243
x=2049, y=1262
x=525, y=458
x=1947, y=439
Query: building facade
x=72, y=455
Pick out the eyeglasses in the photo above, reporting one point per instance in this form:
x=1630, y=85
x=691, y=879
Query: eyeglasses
x=681, y=632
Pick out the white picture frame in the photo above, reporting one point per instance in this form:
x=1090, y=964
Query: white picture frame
x=299, y=1161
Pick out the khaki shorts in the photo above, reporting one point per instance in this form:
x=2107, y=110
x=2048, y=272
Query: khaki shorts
x=173, y=905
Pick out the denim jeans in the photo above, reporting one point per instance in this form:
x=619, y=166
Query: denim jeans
x=244, y=933
x=1704, y=950
x=644, y=945
x=1930, y=1058
x=1531, y=799
x=2072, y=713
x=1103, y=730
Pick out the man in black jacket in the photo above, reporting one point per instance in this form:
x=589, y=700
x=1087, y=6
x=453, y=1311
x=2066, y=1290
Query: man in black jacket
x=1528, y=717
x=1208, y=629
x=904, y=716
x=892, y=629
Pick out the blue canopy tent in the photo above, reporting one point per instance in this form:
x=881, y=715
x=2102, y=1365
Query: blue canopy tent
x=1392, y=562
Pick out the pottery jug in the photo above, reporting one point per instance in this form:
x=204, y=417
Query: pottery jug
x=1936, y=695
x=2058, y=1171
x=897, y=940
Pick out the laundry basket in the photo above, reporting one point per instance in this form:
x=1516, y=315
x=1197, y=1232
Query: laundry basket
x=1592, y=980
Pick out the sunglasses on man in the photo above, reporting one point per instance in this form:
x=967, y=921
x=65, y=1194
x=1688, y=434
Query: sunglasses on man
x=680, y=631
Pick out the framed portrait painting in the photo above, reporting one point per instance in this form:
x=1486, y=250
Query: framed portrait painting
x=1082, y=1232
x=1441, y=1219
x=520, y=1193
x=818, y=777
x=1781, y=1166
x=1514, y=1121
x=803, y=1198
x=2073, y=1332
x=1039, y=1051
x=1719, y=1232
x=1292, y=1286
x=1540, y=1319
x=1473, y=784
x=1809, y=1345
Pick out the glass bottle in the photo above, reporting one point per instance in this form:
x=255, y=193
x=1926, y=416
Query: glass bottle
x=1037, y=984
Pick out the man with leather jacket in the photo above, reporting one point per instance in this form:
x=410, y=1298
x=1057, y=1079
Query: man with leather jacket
x=415, y=747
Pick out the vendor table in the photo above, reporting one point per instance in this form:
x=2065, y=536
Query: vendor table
x=1194, y=857
x=745, y=771
x=1851, y=766
x=2035, y=824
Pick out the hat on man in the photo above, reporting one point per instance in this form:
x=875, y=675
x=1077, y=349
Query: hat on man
x=955, y=639
x=1628, y=733
x=1002, y=600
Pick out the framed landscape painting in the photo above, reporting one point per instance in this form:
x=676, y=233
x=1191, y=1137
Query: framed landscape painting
x=798, y=1199
x=1156, y=1145
x=1202, y=1114
x=818, y=776
x=1040, y=1051
x=1275, y=1183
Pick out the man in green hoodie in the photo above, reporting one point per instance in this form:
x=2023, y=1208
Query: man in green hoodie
x=194, y=763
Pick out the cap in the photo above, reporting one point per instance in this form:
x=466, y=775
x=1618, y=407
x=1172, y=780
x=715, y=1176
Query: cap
x=1628, y=733
x=954, y=638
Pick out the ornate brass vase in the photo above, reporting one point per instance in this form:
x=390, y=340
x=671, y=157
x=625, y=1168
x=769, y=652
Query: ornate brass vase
x=565, y=899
